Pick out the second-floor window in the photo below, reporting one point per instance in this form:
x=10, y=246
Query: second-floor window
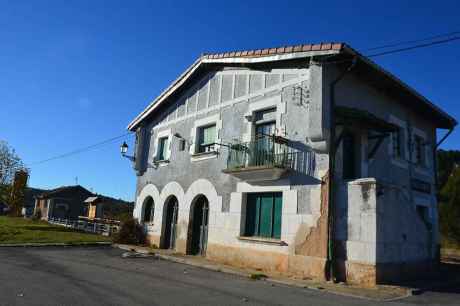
x=396, y=141
x=162, y=148
x=419, y=150
x=206, y=138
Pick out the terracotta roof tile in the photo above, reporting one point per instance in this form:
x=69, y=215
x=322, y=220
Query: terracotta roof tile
x=326, y=46
x=306, y=47
x=337, y=46
x=278, y=50
x=298, y=48
x=316, y=47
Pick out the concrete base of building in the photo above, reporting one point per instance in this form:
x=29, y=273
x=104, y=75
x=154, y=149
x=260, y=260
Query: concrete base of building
x=153, y=240
x=295, y=265
x=384, y=273
x=309, y=266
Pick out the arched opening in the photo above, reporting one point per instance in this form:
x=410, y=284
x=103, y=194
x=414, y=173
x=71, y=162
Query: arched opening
x=198, y=226
x=148, y=210
x=170, y=211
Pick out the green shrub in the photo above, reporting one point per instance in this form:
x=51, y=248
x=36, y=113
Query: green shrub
x=37, y=216
x=131, y=232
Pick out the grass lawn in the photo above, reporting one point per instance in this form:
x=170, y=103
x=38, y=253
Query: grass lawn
x=20, y=230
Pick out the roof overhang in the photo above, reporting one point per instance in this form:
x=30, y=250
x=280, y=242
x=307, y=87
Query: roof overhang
x=334, y=52
x=392, y=85
x=210, y=60
x=351, y=116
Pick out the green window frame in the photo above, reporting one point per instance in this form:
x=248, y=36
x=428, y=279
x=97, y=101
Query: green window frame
x=162, y=148
x=206, y=138
x=263, y=215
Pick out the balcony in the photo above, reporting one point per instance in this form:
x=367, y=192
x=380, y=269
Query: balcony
x=266, y=158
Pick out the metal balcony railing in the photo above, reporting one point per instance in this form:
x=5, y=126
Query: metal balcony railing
x=264, y=151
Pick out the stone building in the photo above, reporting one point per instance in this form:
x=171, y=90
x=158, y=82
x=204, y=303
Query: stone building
x=233, y=160
x=66, y=202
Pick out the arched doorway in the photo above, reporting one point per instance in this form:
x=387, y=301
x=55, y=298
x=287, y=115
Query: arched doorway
x=198, y=226
x=148, y=210
x=170, y=211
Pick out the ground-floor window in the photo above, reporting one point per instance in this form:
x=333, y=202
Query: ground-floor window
x=263, y=215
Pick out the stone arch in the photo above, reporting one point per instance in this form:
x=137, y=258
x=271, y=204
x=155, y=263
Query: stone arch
x=149, y=190
x=173, y=189
x=207, y=189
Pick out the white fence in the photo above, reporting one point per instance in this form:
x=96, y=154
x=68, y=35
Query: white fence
x=100, y=227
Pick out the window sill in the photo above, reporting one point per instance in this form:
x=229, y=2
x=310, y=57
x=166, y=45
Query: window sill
x=400, y=162
x=162, y=162
x=204, y=155
x=263, y=240
x=423, y=170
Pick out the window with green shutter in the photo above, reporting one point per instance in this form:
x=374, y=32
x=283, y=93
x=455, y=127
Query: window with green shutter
x=206, y=138
x=162, y=148
x=263, y=215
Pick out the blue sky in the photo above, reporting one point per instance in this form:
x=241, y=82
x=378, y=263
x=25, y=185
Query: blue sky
x=74, y=73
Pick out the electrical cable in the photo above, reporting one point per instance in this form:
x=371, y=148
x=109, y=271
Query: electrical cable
x=409, y=48
x=80, y=150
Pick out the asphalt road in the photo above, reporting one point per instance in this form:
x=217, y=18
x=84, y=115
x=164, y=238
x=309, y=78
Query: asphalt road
x=100, y=276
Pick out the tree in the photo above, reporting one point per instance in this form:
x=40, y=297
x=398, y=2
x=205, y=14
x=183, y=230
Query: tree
x=447, y=161
x=449, y=207
x=13, y=178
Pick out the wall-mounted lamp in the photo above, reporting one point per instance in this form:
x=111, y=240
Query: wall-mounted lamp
x=124, y=149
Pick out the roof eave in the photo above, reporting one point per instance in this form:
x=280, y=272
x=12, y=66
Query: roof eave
x=226, y=60
x=449, y=120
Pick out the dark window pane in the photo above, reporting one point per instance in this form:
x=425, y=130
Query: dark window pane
x=251, y=215
x=348, y=145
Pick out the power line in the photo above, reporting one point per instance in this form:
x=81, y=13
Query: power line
x=418, y=46
x=433, y=43
x=80, y=150
x=412, y=41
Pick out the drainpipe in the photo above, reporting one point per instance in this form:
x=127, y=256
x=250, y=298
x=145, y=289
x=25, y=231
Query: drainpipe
x=436, y=180
x=330, y=271
x=435, y=163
